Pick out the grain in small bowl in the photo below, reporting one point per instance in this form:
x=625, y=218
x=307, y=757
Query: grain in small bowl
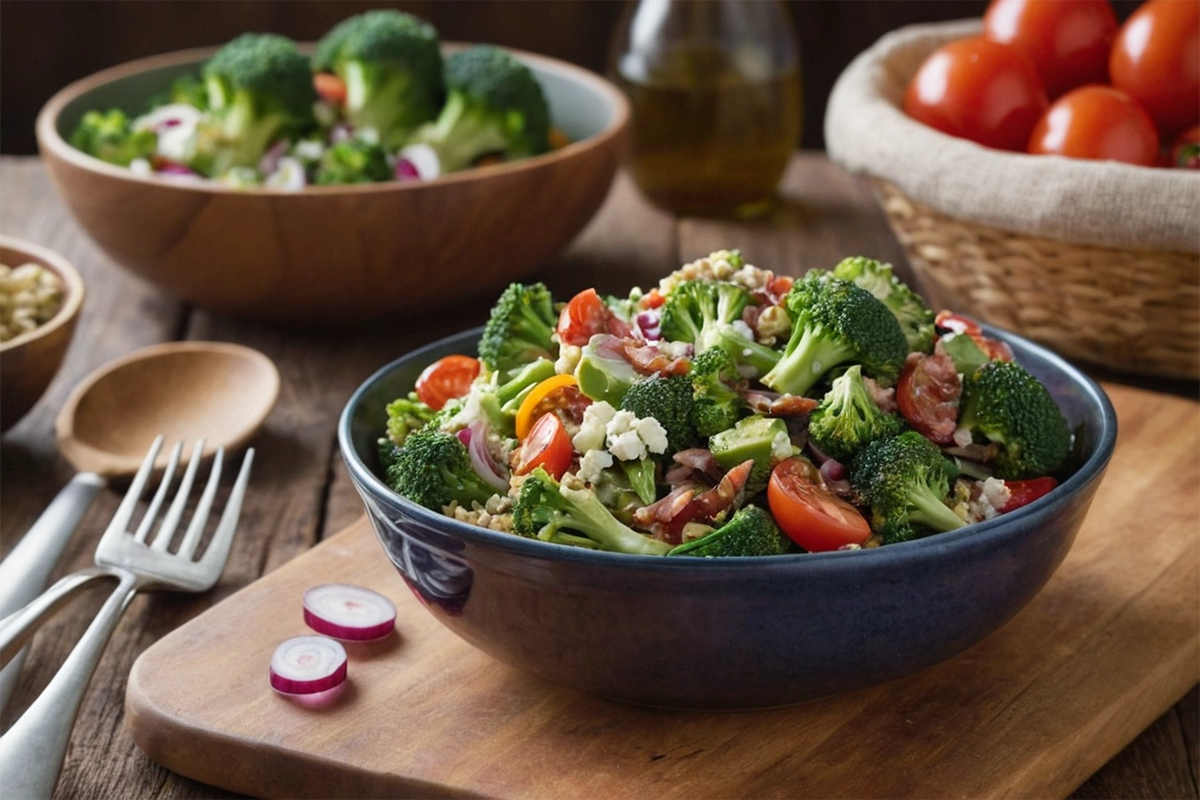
x=41, y=295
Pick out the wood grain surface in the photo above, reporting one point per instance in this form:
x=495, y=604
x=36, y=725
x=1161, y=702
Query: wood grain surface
x=300, y=493
x=1111, y=641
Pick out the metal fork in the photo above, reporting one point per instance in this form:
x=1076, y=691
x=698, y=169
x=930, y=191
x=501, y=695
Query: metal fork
x=32, y=751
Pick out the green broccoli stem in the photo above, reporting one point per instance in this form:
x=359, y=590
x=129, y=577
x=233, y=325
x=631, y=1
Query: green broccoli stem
x=466, y=488
x=802, y=366
x=932, y=512
x=462, y=133
x=743, y=351
x=586, y=513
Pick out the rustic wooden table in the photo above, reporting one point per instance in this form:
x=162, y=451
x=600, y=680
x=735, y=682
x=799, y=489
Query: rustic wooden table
x=300, y=492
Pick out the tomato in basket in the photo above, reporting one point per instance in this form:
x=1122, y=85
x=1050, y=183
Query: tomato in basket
x=1156, y=59
x=1097, y=122
x=1068, y=40
x=980, y=90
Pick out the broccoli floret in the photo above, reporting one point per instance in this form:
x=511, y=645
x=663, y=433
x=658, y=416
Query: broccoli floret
x=669, y=399
x=109, y=136
x=603, y=375
x=543, y=509
x=747, y=352
x=353, y=161
x=406, y=415
x=696, y=311
x=965, y=352
x=905, y=480
x=259, y=90
x=519, y=328
x=433, y=468
x=751, y=532
x=915, y=318
x=494, y=105
x=717, y=403
x=835, y=321
x=849, y=418
x=1004, y=404
x=187, y=89
x=391, y=63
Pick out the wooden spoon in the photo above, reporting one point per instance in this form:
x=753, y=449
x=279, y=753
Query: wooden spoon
x=182, y=390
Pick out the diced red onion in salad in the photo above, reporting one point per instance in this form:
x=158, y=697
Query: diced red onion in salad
x=348, y=612
x=307, y=665
x=464, y=436
x=270, y=160
x=288, y=175
x=168, y=116
x=340, y=133
x=649, y=322
x=419, y=158
x=481, y=458
x=834, y=474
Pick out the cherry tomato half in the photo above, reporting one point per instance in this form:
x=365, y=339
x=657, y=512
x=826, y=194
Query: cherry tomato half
x=1185, y=152
x=330, y=88
x=542, y=398
x=446, y=379
x=928, y=395
x=547, y=446
x=1100, y=123
x=1156, y=60
x=987, y=92
x=582, y=318
x=811, y=515
x=1067, y=40
x=1022, y=493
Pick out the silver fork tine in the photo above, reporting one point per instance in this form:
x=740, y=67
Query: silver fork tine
x=120, y=520
x=191, y=539
x=167, y=531
x=143, y=530
x=222, y=539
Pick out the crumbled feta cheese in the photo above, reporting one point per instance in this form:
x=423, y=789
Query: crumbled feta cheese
x=781, y=448
x=592, y=464
x=594, y=428
x=141, y=167
x=675, y=349
x=568, y=359
x=993, y=495
x=742, y=329
x=309, y=150
x=652, y=432
x=627, y=446
x=752, y=277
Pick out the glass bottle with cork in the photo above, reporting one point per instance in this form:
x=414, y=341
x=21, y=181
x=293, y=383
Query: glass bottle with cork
x=715, y=89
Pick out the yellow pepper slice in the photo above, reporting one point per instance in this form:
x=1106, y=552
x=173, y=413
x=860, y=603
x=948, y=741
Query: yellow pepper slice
x=533, y=406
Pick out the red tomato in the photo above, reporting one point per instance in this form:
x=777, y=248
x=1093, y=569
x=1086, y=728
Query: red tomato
x=811, y=515
x=547, y=446
x=1185, y=152
x=330, y=88
x=928, y=393
x=1022, y=493
x=446, y=379
x=983, y=91
x=582, y=318
x=1097, y=122
x=1067, y=40
x=1156, y=60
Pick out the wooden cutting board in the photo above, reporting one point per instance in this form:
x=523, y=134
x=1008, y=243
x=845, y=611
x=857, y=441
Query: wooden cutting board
x=1110, y=643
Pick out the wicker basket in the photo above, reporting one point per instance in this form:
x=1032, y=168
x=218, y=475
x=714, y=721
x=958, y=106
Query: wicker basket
x=1132, y=310
x=1098, y=261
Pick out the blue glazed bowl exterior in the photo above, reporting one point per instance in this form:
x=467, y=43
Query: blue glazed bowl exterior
x=726, y=633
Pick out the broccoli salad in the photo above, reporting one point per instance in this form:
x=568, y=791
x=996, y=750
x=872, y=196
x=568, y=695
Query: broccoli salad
x=729, y=411
x=375, y=102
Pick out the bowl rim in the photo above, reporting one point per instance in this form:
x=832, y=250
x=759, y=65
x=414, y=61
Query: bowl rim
x=73, y=287
x=1092, y=468
x=49, y=139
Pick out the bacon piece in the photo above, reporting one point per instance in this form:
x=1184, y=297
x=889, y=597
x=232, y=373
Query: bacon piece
x=928, y=394
x=884, y=398
x=649, y=360
x=665, y=519
x=702, y=461
x=779, y=405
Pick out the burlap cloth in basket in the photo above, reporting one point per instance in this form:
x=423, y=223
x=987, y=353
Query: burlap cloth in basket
x=1083, y=202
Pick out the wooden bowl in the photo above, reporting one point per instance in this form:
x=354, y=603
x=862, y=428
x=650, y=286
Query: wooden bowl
x=337, y=254
x=30, y=361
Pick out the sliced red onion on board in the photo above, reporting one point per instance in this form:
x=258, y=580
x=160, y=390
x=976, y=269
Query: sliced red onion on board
x=420, y=158
x=308, y=665
x=481, y=459
x=348, y=612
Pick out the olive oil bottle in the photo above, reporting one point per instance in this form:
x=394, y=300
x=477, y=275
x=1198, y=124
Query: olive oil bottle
x=715, y=90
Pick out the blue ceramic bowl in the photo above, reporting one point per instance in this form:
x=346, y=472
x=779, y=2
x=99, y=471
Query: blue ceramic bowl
x=727, y=633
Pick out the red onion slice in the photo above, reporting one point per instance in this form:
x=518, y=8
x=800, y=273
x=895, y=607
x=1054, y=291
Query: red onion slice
x=422, y=158
x=348, y=612
x=481, y=458
x=308, y=665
